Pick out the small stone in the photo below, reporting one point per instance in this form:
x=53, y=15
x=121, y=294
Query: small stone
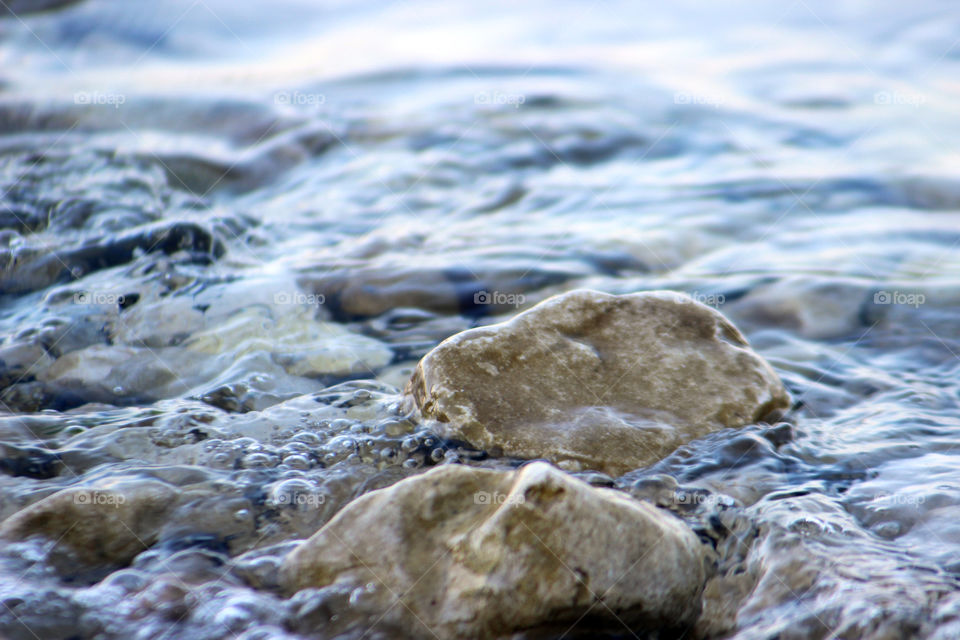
x=477, y=553
x=300, y=343
x=596, y=381
x=120, y=374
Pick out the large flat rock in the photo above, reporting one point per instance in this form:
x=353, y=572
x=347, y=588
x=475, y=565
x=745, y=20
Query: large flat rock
x=596, y=381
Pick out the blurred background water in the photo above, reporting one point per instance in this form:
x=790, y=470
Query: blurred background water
x=229, y=230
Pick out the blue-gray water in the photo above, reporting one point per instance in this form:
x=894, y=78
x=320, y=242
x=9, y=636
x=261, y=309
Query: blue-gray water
x=211, y=212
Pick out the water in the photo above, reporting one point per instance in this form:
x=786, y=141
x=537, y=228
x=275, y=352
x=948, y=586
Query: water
x=228, y=233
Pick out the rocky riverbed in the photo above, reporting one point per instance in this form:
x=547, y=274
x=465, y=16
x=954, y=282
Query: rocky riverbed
x=374, y=320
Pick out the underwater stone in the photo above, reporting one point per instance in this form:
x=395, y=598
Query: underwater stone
x=105, y=525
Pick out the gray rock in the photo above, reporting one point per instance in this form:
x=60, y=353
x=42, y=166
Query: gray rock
x=462, y=552
x=119, y=374
x=596, y=381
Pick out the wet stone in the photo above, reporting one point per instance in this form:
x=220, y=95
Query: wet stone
x=479, y=553
x=596, y=381
x=95, y=527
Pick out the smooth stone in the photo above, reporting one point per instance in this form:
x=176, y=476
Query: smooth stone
x=364, y=292
x=591, y=380
x=818, y=309
x=813, y=571
x=158, y=323
x=161, y=320
x=21, y=360
x=119, y=374
x=33, y=268
x=103, y=525
x=456, y=270
x=463, y=552
x=303, y=345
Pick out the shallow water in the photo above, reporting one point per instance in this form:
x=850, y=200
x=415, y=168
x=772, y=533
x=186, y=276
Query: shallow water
x=228, y=233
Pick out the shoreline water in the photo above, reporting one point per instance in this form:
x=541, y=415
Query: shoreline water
x=228, y=236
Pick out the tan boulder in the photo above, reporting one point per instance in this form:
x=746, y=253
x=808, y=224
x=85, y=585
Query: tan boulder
x=462, y=552
x=591, y=380
x=106, y=525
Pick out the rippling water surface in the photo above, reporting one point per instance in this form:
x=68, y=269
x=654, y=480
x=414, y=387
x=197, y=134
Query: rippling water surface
x=229, y=230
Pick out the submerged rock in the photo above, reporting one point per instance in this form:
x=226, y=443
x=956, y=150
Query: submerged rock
x=119, y=374
x=462, y=552
x=95, y=527
x=303, y=345
x=596, y=381
x=812, y=572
